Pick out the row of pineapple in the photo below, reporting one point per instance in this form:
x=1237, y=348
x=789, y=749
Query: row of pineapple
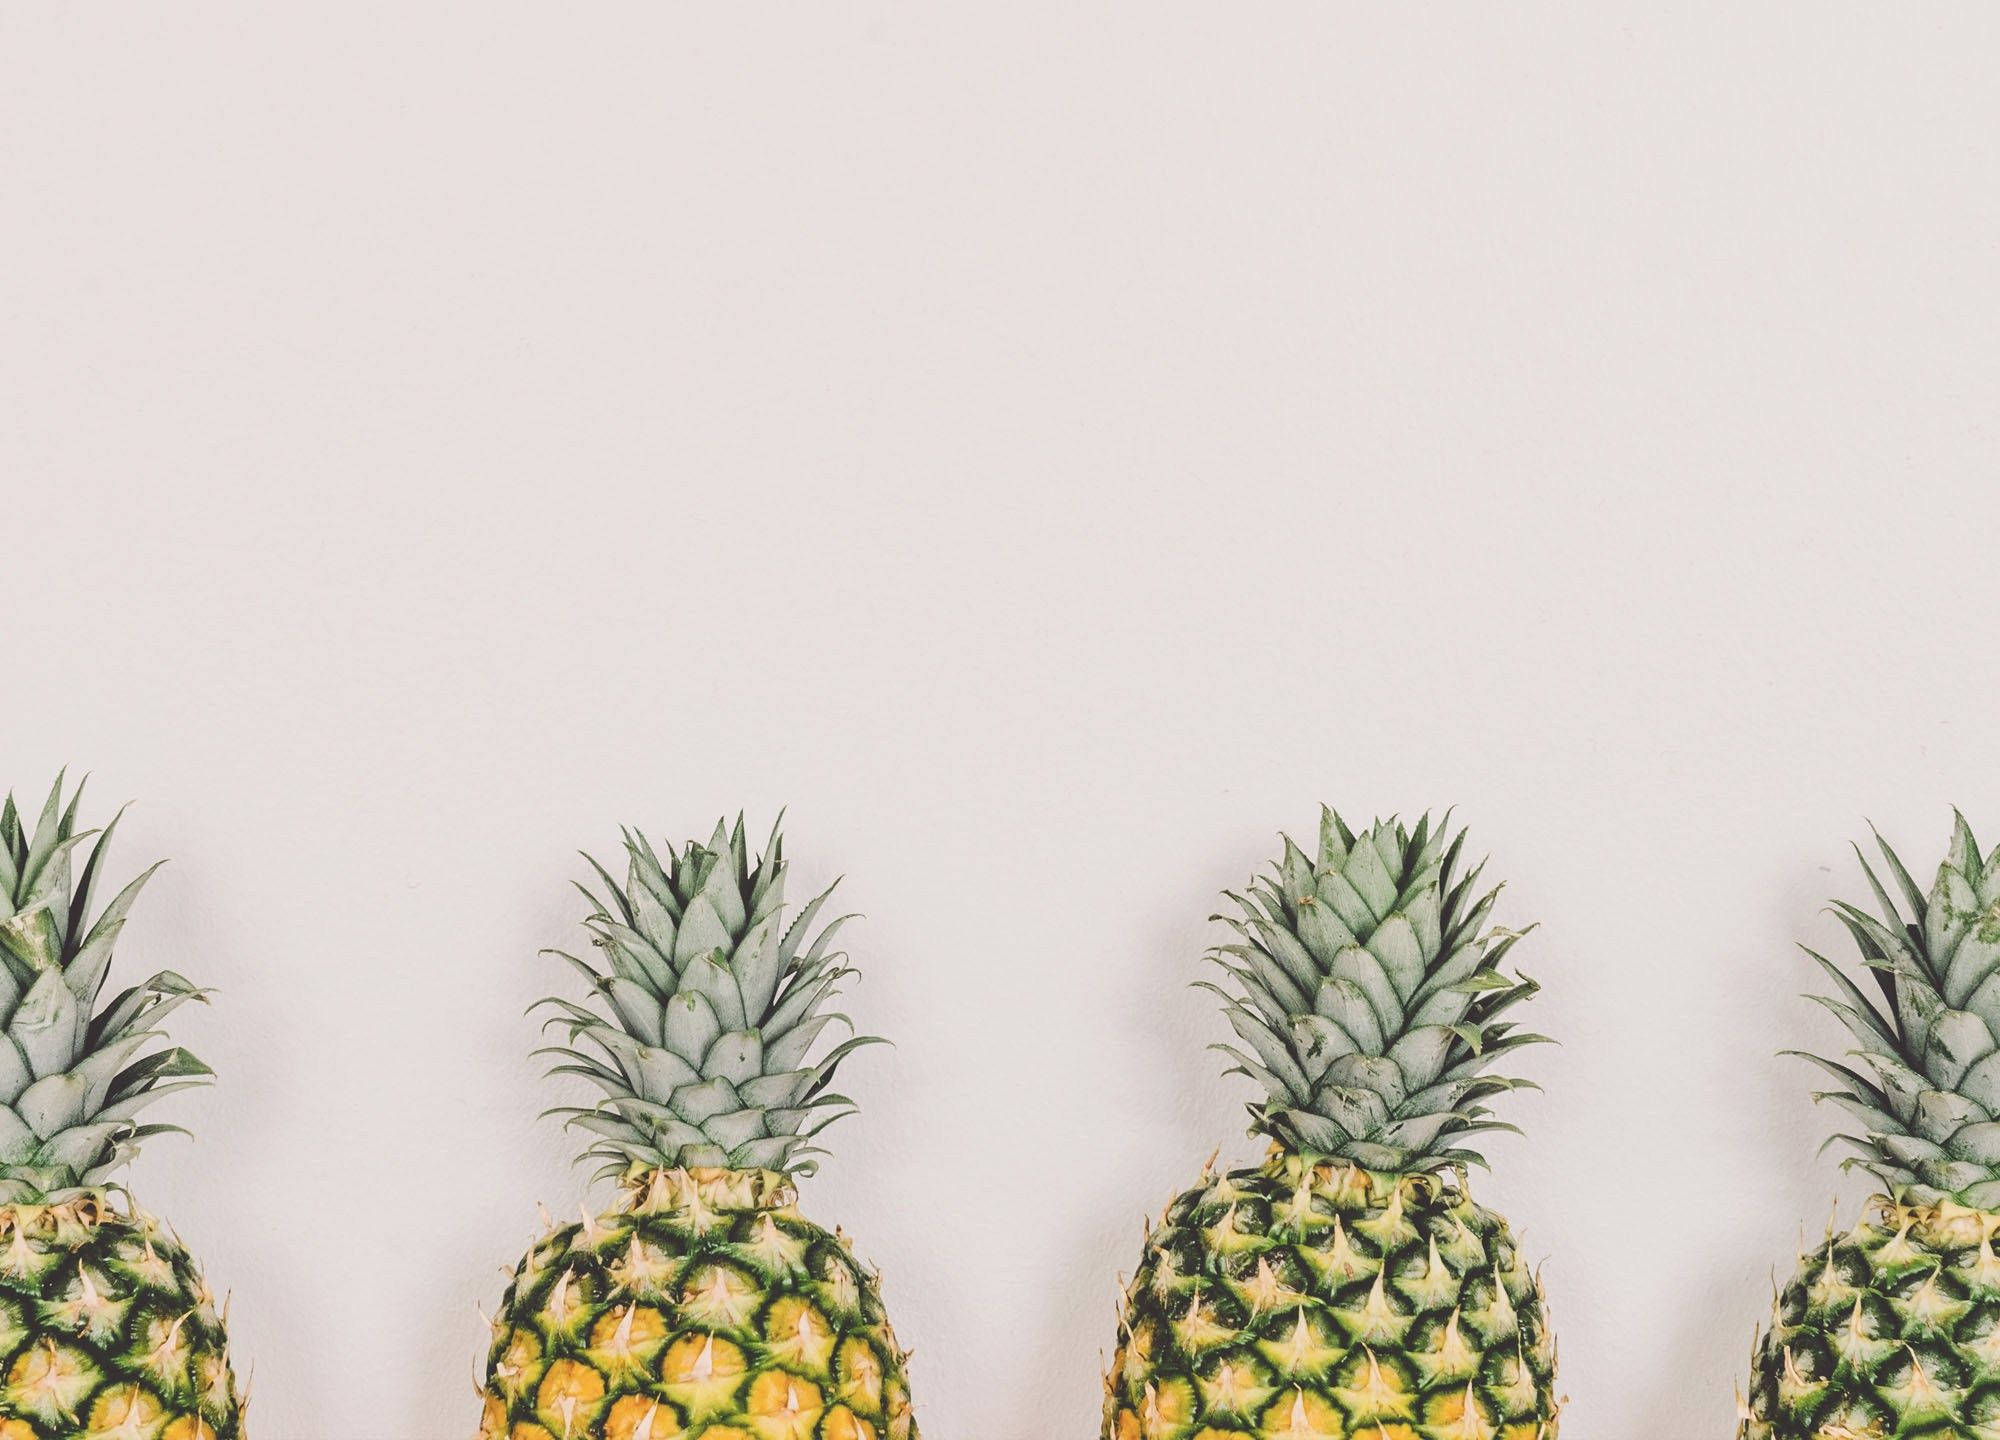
x=1347, y=1287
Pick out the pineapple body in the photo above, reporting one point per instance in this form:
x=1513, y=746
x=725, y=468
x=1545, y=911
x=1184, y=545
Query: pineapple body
x=704, y=1307
x=107, y=1330
x=1890, y=1329
x=1310, y=1298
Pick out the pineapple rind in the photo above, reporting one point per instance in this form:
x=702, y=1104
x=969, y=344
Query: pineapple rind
x=704, y=1307
x=107, y=1329
x=1308, y=1298
x=1888, y=1331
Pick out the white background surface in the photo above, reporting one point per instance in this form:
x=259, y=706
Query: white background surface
x=1050, y=450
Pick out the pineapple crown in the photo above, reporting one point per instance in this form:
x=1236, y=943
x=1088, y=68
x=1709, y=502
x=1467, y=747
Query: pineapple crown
x=714, y=1004
x=1928, y=1100
x=71, y=1080
x=1370, y=996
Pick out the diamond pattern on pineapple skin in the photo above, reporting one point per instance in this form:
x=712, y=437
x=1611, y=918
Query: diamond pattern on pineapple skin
x=1372, y=1338
x=759, y=1325
x=1889, y=1329
x=110, y=1334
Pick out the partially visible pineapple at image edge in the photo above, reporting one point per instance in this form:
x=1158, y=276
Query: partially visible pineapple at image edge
x=106, y=1327
x=1349, y=1287
x=1892, y=1328
x=703, y=1306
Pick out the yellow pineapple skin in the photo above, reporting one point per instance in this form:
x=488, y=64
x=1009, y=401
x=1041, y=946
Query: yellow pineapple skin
x=704, y=1306
x=1311, y=1299
x=1888, y=1330
x=107, y=1329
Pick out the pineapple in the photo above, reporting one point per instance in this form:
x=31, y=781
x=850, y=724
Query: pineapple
x=703, y=1306
x=1892, y=1328
x=106, y=1327
x=1349, y=1286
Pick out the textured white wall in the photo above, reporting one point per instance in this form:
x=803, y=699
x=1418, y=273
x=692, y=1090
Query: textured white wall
x=1050, y=451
